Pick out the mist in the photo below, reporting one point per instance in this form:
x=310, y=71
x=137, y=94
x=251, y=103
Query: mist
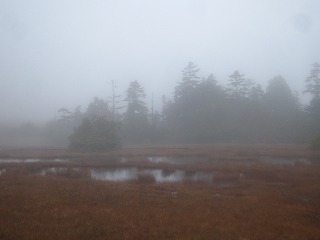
x=159, y=119
x=63, y=53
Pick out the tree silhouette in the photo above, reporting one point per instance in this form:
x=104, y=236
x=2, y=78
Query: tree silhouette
x=136, y=116
x=190, y=80
x=313, y=82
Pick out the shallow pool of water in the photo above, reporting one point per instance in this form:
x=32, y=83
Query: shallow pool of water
x=57, y=170
x=159, y=175
x=30, y=160
x=177, y=159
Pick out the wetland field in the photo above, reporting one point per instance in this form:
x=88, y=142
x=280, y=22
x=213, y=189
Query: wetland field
x=220, y=191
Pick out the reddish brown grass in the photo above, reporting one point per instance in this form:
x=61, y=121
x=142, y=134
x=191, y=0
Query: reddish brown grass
x=257, y=201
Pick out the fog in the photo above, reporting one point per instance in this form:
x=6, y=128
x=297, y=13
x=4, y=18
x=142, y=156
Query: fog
x=57, y=54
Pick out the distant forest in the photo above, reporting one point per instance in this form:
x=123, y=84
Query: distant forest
x=200, y=111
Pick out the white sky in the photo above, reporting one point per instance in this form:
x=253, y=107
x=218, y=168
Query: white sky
x=62, y=53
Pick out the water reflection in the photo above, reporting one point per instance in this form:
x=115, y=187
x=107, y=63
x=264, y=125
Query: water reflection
x=116, y=174
x=57, y=170
x=159, y=175
x=30, y=160
x=177, y=160
x=12, y=160
x=284, y=161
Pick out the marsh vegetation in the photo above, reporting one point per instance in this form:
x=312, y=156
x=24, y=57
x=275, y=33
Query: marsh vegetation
x=230, y=192
x=159, y=119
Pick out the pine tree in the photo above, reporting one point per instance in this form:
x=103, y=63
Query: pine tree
x=313, y=82
x=313, y=88
x=190, y=80
x=135, y=97
x=257, y=94
x=136, y=116
x=236, y=83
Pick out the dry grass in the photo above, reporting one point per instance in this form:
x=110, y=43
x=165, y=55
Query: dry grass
x=257, y=201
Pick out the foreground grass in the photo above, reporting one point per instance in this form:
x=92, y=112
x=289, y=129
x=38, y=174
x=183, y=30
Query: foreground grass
x=270, y=202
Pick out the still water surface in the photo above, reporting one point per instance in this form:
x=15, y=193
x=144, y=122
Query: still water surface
x=122, y=174
x=30, y=160
x=159, y=175
x=177, y=159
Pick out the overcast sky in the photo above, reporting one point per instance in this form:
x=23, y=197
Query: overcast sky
x=62, y=53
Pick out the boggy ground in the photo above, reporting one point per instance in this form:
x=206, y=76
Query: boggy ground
x=246, y=200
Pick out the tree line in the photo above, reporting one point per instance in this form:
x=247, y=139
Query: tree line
x=200, y=111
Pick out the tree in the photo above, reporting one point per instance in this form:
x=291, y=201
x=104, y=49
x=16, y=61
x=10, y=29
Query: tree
x=236, y=81
x=98, y=134
x=247, y=87
x=279, y=97
x=58, y=130
x=65, y=114
x=257, y=94
x=135, y=97
x=115, y=103
x=195, y=116
x=313, y=108
x=208, y=111
x=282, y=121
x=98, y=108
x=313, y=88
x=136, y=116
x=72, y=123
x=313, y=82
x=190, y=80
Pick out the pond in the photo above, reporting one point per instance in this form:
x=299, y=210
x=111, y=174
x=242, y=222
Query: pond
x=58, y=170
x=159, y=175
x=30, y=160
x=122, y=174
x=177, y=159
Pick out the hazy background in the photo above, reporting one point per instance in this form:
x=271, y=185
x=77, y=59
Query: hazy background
x=62, y=53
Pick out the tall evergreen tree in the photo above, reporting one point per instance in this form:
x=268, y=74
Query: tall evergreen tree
x=313, y=109
x=239, y=86
x=257, y=94
x=95, y=131
x=135, y=97
x=136, y=116
x=98, y=108
x=190, y=80
x=97, y=134
x=313, y=82
x=279, y=97
x=282, y=112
